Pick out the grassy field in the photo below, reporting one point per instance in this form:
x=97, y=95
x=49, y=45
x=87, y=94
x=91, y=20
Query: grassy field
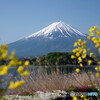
x=42, y=80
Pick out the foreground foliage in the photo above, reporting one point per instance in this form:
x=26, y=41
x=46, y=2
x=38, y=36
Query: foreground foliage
x=7, y=62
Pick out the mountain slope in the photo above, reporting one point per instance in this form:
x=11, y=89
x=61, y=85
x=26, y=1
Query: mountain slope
x=57, y=37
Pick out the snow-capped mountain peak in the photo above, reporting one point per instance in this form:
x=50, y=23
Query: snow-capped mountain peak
x=55, y=30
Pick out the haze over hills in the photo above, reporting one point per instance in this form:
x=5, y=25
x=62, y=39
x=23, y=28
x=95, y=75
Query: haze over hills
x=57, y=37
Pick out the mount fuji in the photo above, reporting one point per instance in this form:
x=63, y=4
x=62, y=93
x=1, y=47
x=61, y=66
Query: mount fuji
x=57, y=37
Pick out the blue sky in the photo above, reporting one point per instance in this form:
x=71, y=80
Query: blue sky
x=20, y=18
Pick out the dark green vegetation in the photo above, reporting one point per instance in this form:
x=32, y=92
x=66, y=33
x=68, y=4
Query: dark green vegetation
x=53, y=58
x=59, y=58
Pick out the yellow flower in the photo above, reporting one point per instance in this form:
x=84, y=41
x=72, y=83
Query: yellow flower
x=19, y=62
x=85, y=99
x=4, y=56
x=78, y=70
x=95, y=27
x=17, y=84
x=94, y=38
x=73, y=57
x=85, y=42
x=83, y=56
x=77, y=54
x=95, y=41
x=74, y=50
x=91, y=30
x=80, y=59
x=4, y=70
x=84, y=51
x=98, y=33
x=12, y=63
x=97, y=45
x=20, y=69
x=22, y=82
x=89, y=62
x=75, y=98
x=75, y=44
x=26, y=63
x=83, y=46
x=81, y=65
x=98, y=62
x=82, y=96
x=79, y=41
x=91, y=54
x=11, y=86
x=98, y=74
x=88, y=49
x=97, y=68
x=25, y=73
x=91, y=34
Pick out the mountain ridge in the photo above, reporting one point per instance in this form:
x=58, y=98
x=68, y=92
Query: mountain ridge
x=57, y=37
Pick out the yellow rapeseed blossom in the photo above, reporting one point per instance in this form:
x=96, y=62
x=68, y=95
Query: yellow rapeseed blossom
x=85, y=42
x=77, y=54
x=91, y=54
x=80, y=59
x=98, y=74
x=97, y=45
x=11, y=86
x=95, y=41
x=95, y=28
x=74, y=51
x=75, y=98
x=85, y=99
x=3, y=70
x=96, y=68
x=11, y=63
x=98, y=33
x=94, y=38
x=78, y=70
x=75, y=44
x=4, y=56
x=81, y=65
x=84, y=51
x=79, y=41
x=73, y=57
x=89, y=62
x=17, y=84
x=91, y=34
x=26, y=63
x=19, y=62
x=98, y=62
x=88, y=49
x=20, y=69
x=88, y=37
x=83, y=56
x=22, y=82
x=25, y=73
x=91, y=30
x=83, y=96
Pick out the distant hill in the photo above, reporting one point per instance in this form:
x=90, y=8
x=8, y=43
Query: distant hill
x=57, y=37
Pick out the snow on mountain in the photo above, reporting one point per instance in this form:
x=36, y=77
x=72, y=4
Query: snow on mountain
x=57, y=29
x=57, y=37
